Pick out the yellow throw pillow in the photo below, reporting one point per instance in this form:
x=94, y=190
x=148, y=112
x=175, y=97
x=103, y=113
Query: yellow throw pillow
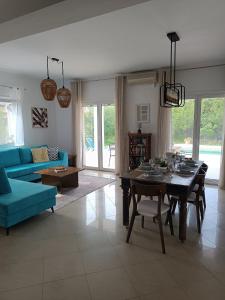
x=40, y=155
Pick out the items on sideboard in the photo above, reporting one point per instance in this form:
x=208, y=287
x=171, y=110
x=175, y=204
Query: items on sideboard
x=49, y=87
x=139, y=148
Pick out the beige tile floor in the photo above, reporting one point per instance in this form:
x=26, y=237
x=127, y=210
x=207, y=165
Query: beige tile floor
x=79, y=253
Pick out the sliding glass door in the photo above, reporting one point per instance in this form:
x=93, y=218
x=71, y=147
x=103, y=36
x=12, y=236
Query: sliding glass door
x=182, y=128
x=99, y=136
x=90, y=136
x=211, y=129
x=108, y=136
x=197, y=130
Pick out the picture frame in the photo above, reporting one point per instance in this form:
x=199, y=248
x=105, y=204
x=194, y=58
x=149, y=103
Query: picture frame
x=39, y=116
x=143, y=113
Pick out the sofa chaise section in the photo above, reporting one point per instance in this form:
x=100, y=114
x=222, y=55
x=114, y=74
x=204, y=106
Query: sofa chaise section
x=26, y=200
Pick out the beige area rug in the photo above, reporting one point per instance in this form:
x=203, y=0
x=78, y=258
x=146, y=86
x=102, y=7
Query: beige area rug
x=87, y=185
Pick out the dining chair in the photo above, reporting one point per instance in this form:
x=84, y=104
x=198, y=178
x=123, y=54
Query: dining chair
x=203, y=170
x=196, y=199
x=150, y=207
x=112, y=152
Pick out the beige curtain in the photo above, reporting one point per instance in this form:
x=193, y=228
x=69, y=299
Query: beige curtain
x=121, y=126
x=163, y=142
x=76, y=88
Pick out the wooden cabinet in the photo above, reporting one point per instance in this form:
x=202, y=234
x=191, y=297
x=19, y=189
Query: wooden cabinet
x=72, y=160
x=139, y=148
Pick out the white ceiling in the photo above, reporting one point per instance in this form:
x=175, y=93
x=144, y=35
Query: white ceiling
x=129, y=39
x=10, y=9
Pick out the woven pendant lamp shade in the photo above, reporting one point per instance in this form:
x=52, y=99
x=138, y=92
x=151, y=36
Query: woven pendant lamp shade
x=64, y=97
x=48, y=89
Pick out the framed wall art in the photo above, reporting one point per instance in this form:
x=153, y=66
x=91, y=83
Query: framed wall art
x=143, y=113
x=39, y=117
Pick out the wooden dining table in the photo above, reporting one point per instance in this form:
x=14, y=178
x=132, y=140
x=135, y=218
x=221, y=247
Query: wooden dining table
x=177, y=185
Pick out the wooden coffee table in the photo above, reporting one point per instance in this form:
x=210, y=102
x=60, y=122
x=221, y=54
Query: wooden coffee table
x=68, y=178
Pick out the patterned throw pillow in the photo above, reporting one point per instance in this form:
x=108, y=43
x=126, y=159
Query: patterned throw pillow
x=53, y=153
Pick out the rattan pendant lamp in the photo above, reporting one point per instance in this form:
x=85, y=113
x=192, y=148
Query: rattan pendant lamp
x=48, y=86
x=63, y=94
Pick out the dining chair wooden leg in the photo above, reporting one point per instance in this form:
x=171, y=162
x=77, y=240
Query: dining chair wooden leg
x=130, y=227
x=201, y=210
x=174, y=205
x=170, y=212
x=142, y=221
x=198, y=218
x=161, y=235
x=204, y=200
x=170, y=220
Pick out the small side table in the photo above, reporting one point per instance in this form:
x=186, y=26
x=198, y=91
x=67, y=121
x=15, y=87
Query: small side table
x=72, y=160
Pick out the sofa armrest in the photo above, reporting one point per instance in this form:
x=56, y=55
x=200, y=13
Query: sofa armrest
x=63, y=156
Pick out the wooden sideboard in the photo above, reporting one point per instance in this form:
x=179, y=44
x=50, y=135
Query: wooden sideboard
x=139, y=148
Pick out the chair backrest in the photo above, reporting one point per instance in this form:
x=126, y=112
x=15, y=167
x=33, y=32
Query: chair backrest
x=204, y=167
x=200, y=180
x=139, y=189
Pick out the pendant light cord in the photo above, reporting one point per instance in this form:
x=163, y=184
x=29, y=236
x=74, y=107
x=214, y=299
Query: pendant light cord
x=171, y=52
x=174, y=62
x=47, y=67
x=63, y=73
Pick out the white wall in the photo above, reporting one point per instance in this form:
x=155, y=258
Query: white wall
x=64, y=127
x=143, y=94
x=32, y=97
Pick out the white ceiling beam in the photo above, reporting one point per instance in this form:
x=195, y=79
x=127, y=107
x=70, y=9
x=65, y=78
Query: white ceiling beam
x=61, y=14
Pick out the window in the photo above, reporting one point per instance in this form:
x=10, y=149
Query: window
x=7, y=122
x=11, y=117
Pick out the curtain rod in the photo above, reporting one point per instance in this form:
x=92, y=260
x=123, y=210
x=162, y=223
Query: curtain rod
x=3, y=85
x=203, y=67
x=11, y=87
x=182, y=69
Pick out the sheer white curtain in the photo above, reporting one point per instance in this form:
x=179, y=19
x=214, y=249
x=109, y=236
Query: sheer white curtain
x=15, y=117
x=222, y=166
x=164, y=136
x=121, y=126
x=76, y=88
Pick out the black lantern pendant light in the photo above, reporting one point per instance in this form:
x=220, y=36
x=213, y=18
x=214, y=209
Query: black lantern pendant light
x=172, y=94
x=48, y=86
x=63, y=94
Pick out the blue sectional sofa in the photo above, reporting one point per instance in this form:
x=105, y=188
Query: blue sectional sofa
x=18, y=163
x=26, y=199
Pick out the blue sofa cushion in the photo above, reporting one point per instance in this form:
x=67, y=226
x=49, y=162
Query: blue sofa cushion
x=5, y=187
x=24, y=194
x=25, y=155
x=9, y=157
x=21, y=170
